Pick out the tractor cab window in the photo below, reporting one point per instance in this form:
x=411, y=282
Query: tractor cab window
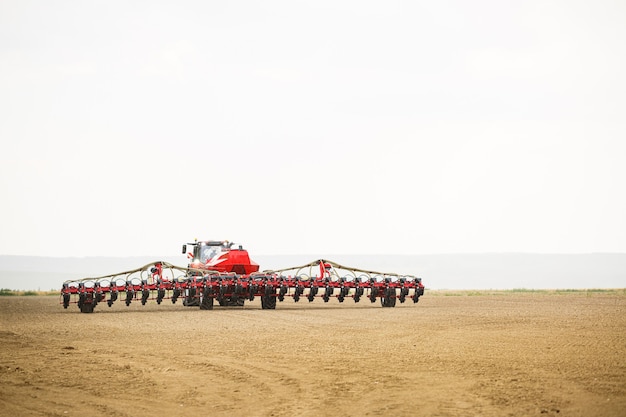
x=206, y=253
x=209, y=252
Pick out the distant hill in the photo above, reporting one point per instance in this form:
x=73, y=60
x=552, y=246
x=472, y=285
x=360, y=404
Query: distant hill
x=449, y=271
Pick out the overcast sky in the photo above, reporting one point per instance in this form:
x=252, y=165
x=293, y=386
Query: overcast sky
x=322, y=127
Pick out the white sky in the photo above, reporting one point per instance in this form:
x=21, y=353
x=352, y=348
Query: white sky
x=322, y=127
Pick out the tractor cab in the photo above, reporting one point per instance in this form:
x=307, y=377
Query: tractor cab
x=219, y=256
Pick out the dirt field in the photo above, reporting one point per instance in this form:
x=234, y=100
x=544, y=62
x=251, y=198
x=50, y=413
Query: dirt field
x=510, y=354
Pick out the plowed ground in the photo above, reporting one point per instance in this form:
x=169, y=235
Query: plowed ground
x=508, y=354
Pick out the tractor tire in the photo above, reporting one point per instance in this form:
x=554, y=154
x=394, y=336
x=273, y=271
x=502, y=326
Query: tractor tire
x=268, y=302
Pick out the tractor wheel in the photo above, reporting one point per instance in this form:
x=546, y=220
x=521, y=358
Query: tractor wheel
x=268, y=302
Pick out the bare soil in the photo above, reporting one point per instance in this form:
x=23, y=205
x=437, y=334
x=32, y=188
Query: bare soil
x=509, y=354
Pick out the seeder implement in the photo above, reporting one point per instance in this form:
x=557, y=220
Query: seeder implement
x=217, y=278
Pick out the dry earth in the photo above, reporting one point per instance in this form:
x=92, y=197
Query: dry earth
x=508, y=354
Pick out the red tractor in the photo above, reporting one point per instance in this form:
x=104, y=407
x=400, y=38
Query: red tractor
x=214, y=255
x=217, y=271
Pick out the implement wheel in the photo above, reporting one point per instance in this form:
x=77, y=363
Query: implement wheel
x=389, y=298
x=233, y=301
x=268, y=302
x=207, y=303
x=191, y=300
x=86, y=308
x=86, y=303
x=66, y=300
